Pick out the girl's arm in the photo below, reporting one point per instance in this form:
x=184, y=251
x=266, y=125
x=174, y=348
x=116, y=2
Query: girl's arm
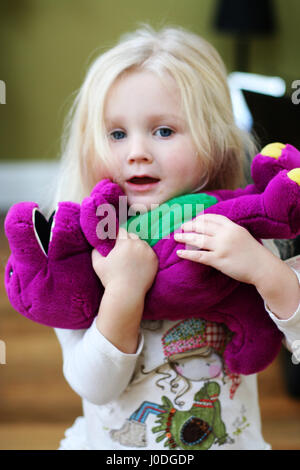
x=120, y=315
x=93, y=367
x=127, y=273
x=290, y=327
x=278, y=285
x=99, y=362
x=231, y=249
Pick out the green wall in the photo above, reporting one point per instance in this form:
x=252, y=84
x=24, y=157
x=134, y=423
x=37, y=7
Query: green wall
x=46, y=46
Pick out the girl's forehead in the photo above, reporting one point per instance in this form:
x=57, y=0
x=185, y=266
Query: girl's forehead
x=141, y=88
x=145, y=73
x=145, y=80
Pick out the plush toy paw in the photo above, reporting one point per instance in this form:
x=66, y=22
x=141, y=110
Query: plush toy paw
x=294, y=175
x=26, y=258
x=49, y=276
x=99, y=215
x=271, y=160
x=281, y=202
x=273, y=150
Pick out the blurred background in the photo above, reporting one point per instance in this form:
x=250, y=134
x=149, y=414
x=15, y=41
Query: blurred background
x=46, y=49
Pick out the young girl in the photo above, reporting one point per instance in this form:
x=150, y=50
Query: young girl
x=154, y=115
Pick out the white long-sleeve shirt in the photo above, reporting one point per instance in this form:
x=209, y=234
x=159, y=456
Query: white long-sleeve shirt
x=170, y=394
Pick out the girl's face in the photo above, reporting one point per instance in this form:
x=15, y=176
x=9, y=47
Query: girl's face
x=154, y=156
x=199, y=367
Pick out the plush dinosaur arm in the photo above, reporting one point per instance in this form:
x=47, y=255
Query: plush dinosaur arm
x=49, y=276
x=275, y=213
x=272, y=159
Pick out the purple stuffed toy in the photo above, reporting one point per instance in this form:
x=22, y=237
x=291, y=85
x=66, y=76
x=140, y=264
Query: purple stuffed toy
x=49, y=277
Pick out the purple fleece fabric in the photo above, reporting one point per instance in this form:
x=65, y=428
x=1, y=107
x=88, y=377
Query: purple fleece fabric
x=59, y=288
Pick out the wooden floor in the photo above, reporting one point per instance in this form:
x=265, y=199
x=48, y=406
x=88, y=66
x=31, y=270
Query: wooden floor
x=37, y=405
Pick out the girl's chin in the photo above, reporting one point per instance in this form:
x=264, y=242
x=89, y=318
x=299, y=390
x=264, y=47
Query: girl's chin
x=144, y=202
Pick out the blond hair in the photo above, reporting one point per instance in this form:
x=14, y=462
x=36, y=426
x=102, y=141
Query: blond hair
x=202, y=80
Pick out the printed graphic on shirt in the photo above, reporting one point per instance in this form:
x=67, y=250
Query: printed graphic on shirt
x=194, y=350
x=240, y=423
x=195, y=429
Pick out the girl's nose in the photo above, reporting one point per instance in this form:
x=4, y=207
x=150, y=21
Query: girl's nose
x=140, y=158
x=139, y=152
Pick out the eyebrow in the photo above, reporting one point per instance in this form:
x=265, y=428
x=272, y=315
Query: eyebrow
x=155, y=117
x=172, y=117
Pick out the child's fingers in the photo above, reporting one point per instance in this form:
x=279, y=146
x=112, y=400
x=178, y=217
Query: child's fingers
x=96, y=257
x=199, y=225
x=133, y=236
x=198, y=256
x=197, y=240
x=202, y=226
x=205, y=223
x=216, y=218
x=124, y=235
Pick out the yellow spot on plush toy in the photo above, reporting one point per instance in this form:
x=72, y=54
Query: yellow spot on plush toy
x=273, y=150
x=294, y=175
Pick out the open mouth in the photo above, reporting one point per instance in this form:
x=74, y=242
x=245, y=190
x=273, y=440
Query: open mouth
x=142, y=180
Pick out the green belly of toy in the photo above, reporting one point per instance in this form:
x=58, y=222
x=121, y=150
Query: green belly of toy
x=163, y=220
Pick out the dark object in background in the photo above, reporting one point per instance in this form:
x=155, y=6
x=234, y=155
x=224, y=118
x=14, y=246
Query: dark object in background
x=245, y=16
x=291, y=373
x=275, y=119
x=244, y=19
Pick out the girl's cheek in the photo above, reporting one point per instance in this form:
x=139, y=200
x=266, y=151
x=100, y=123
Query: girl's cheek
x=214, y=370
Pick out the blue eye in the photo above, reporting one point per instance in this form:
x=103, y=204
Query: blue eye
x=117, y=135
x=164, y=132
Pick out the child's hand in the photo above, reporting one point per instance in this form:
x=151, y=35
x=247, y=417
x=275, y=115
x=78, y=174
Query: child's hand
x=223, y=245
x=231, y=249
x=127, y=273
x=131, y=263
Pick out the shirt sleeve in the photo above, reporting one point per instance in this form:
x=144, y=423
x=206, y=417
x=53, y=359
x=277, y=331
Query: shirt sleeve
x=291, y=326
x=94, y=367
